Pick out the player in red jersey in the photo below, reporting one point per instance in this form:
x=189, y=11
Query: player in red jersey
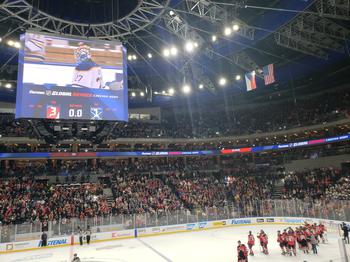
x=242, y=252
x=281, y=240
x=321, y=230
x=264, y=240
x=291, y=243
x=303, y=241
x=251, y=243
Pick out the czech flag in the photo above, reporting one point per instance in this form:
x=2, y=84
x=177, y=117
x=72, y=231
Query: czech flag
x=250, y=81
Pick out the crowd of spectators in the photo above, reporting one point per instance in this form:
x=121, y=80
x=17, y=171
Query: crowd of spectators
x=143, y=194
x=311, y=183
x=219, y=122
x=27, y=200
x=158, y=184
x=200, y=122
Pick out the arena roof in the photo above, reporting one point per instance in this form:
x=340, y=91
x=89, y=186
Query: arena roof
x=303, y=39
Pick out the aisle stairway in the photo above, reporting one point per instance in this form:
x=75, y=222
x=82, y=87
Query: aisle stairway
x=278, y=189
x=107, y=192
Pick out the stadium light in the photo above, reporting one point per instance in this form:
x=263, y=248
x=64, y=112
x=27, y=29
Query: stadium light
x=10, y=42
x=171, y=12
x=166, y=52
x=238, y=77
x=195, y=44
x=201, y=86
x=171, y=91
x=189, y=46
x=0, y=39
x=235, y=27
x=149, y=55
x=186, y=89
x=134, y=57
x=8, y=85
x=17, y=45
x=142, y=94
x=163, y=92
x=227, y=31
x=222, y=81
x=129, y=57
x=214, y=38
x=173, y=51
x=133, y=94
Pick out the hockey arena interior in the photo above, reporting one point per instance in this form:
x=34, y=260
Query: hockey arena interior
x=174, y=130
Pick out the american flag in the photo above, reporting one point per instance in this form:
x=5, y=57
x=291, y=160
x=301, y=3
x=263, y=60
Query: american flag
x=250, y=81
x=269, y=76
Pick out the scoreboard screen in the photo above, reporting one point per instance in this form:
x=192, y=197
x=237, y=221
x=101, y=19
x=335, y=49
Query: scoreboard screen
x=68, y=78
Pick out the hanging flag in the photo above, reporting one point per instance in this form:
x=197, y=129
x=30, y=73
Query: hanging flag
x=250, y=81
x=269, y=75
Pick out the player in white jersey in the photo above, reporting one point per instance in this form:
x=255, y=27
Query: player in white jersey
x=87, y=73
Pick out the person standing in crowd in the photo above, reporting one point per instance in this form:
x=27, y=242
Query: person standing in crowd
x=76, y=258
x=81, y=234
x=88, y=235
x=43, y=239
x=345, y=229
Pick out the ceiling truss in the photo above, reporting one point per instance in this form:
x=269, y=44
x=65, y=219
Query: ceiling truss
x=311, y=34
x=144, y=15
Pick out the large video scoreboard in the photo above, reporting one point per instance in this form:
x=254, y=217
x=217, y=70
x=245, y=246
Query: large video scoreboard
x=66, y=78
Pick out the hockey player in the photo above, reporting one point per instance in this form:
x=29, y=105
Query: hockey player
x=242, y=252
x=86, y=73
x=291, y=243
x=303, y=242
x=321, y=229
x=263, y=241
x=251, y=242
x=281, y=241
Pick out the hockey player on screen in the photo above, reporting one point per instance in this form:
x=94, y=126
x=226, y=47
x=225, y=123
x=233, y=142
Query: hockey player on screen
x=86, y=73
x=251, y=242
x=242, y=252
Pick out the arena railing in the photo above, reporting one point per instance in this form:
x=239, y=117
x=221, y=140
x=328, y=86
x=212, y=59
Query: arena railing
x=328, y=209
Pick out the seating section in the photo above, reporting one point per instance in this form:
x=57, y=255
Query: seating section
x=30, y=200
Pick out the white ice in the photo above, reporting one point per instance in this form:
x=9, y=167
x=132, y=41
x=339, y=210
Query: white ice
x=214, y=245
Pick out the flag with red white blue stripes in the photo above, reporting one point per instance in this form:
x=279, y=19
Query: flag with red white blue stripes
x=269, y=76
x=250, y=81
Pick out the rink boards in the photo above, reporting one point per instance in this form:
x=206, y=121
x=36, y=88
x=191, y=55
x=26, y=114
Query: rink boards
x=331, y=225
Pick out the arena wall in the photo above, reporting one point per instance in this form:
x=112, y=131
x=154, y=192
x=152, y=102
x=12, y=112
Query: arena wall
x=331, y=225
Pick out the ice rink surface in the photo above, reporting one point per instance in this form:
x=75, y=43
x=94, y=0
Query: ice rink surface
x=210, y=245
